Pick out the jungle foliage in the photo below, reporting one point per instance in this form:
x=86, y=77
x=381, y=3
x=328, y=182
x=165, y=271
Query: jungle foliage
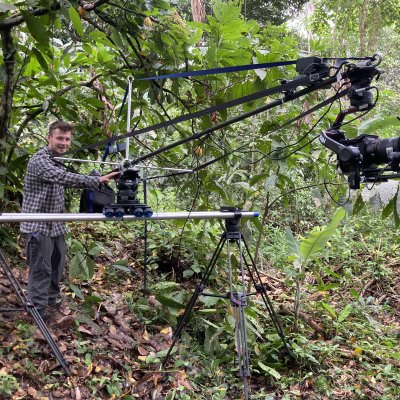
x=332, y=271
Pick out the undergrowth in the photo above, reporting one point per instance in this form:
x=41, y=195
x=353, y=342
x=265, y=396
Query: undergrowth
x=345, y=345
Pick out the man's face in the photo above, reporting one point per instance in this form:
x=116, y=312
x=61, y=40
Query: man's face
x=59, y=141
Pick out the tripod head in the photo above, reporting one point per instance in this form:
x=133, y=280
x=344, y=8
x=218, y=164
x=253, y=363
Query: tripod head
x=128, y=183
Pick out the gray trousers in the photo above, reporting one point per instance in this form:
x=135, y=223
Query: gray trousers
x=46, y=259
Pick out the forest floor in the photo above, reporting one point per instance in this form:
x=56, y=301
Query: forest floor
x=108, y=333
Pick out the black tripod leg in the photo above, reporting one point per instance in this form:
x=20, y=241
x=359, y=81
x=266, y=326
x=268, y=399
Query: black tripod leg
x=265, y=297
x=29, y=307
x=46, y=334
x=198, y=290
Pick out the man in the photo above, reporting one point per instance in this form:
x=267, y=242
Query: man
x=44, y=193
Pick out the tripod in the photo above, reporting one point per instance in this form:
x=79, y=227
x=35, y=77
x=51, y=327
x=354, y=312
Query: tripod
x=30, y=308
x=238, y=299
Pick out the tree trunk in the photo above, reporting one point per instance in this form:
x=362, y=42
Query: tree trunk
x=198, y=10
x=8, y=88
x=363, y=27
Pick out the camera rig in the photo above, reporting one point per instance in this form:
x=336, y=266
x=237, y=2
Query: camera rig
x=360, y=158
x=127, y=201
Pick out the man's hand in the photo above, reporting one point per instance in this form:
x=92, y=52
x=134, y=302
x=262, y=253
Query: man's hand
x=107, y=178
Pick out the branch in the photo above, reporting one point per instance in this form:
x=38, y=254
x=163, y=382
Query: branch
x=93, y=5
x=19, y=19
x=309, y=321
x=33, y=114
x=94, y=24
x=9, y=23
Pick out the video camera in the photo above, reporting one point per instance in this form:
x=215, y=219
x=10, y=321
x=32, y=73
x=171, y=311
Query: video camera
x=359, y=158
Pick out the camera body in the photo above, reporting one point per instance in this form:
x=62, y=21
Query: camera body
x=362, y=156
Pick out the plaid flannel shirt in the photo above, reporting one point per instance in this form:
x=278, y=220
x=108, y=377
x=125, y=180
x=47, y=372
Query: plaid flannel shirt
x=44, y=191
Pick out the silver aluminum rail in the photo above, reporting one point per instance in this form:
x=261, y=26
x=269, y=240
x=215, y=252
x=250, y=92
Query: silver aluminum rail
x=74, y=217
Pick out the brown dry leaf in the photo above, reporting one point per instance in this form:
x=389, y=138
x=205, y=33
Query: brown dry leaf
x=117, y=343
x=32, y=392
x=119, y=320
x=142, y=351
x=167, y=331
x=110, y=308
x=89, y=370
x=38, y=336
x=44, y=366
x=154, y=302
x=182, y=380
x=85, y=330
x=65, y=322
x=113, y=330
x=146, y=335
x=78, y=395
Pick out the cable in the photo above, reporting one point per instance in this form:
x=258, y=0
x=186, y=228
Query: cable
x=299, y=141
x=365, y=112
x=326, y=185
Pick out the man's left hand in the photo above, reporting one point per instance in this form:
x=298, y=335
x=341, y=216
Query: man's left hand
x=107, y=178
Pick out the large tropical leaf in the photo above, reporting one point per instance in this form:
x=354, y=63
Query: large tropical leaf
x=372, y=125
x=319, y=236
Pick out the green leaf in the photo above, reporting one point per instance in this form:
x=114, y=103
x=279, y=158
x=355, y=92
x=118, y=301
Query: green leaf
x=372, y=125
x=270, y=370
x=167, y=301
x=319, y=236
x=354, y=293
x=164, y=287
x=76, y=21
x=123, y=261
x=292, y=243
x=206, y=311
x=345, y=313
x=42, y=61
x=36, y=27
x=270, y=183
x=95, y=250
x=1, y=190
x=330, y=309
x=358, y=205
x=396, y=211
x=94, y=102
x=78, y=292
x=389, y=209
x=122, y=268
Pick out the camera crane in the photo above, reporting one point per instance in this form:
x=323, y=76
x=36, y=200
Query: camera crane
x=358, y=158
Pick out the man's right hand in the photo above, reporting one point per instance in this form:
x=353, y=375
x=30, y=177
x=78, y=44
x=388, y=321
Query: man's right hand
x=107, y=178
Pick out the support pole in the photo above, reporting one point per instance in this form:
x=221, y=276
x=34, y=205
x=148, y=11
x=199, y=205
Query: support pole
x=128, y=116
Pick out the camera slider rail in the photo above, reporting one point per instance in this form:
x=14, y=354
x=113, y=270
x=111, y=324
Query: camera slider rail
x=74, y=217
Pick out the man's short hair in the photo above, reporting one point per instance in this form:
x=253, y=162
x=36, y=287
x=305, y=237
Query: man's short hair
x=61, y=125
